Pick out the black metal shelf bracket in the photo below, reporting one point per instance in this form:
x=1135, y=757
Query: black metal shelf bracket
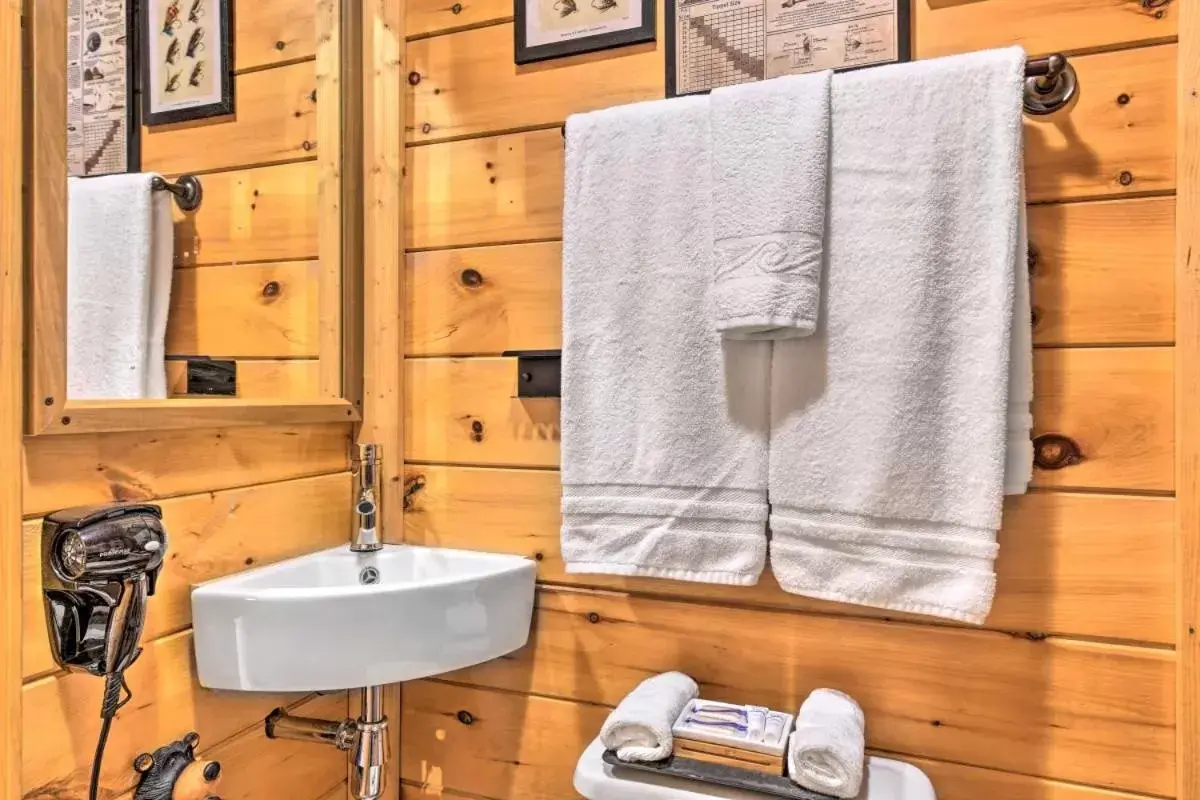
x=539, y=372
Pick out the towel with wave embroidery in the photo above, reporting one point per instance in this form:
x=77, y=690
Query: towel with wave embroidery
x=770, y=163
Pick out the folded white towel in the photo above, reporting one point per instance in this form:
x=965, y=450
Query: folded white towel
x=120, y=248
x=828, y=748
x=770, y=162
x=639, y=728
x=888, y=451
x=663, y=422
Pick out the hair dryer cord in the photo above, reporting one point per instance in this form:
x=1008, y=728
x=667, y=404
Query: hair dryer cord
x=114, y=684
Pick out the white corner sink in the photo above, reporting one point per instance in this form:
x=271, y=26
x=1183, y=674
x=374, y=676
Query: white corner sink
x=318, y=623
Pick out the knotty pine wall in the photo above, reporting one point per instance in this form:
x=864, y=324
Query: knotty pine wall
x=1068, y=691
x=258, y=222
x=232, y=498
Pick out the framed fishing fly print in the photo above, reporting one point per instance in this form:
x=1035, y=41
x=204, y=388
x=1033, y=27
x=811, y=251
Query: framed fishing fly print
x=546, y=29
x=187, y=60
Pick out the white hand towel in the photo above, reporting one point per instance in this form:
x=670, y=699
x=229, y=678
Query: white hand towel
x=888, y=451
x=828, y=748
x=639, y=728
x=663, y=422
x=770, y=162
x=120, y=248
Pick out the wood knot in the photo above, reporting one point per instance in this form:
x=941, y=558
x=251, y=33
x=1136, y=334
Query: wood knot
x=593, y=617
x=414, y=78
x=477, y=431
x=471, y=277
x=465, y=717
x=271, y=289
x=1126, y=177
x=1054, y=451
x=456, y=8
x=411, y=488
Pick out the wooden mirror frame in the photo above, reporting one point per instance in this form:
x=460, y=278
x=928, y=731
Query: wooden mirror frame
x=49, y=411
x=11, y=299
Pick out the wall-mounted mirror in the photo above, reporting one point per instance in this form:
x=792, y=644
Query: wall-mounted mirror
x=193, y=252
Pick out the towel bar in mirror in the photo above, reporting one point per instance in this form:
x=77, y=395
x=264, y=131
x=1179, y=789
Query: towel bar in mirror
x=259, y=267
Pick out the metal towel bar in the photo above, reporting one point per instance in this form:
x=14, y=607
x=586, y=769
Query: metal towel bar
x=1050, y=84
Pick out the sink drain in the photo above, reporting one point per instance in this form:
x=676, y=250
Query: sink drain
x=369, y=576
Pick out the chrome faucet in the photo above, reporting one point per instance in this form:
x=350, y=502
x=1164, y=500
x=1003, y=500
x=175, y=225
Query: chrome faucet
x=367, y=536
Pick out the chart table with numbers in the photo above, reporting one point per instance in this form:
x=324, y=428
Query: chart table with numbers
x=713, y=43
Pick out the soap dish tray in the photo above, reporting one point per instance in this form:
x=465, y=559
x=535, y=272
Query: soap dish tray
x=733, y=777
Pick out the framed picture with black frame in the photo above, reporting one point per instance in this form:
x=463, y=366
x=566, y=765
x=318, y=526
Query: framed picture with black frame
x=546, y=29
x=186, y=60
x=714, y=43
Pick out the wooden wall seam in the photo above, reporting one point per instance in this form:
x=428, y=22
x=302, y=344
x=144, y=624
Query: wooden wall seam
x=1187, y=389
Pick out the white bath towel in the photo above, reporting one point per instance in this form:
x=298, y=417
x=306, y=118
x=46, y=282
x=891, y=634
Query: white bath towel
x=888, y=450
x=770, y=162
x=827, y=750
x=663, y=422
x=120, y=247
x=639, y=728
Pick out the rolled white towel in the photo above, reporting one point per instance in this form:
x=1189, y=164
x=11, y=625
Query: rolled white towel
x=639, y=728
x=828, y=748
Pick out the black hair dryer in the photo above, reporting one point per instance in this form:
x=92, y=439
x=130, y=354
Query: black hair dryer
x=99, y=566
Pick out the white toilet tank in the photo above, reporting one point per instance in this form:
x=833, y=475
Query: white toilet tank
x=886, y=780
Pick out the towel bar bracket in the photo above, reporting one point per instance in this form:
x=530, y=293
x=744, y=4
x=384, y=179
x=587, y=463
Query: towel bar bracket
x=187, y=191
x=1050, y=84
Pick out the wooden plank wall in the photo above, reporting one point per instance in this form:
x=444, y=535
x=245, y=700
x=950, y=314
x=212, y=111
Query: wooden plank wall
x=247, y=278
x=232, y=498
x=1067, y=693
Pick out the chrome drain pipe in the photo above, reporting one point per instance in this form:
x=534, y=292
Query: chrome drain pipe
x=282, y=725
x=366, y=736
x=371, y=749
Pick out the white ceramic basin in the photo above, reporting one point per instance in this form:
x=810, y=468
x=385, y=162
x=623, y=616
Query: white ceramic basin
x=312, y=623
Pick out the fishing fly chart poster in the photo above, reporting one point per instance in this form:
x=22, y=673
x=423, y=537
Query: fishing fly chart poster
x=102, y=132
x=713, y=43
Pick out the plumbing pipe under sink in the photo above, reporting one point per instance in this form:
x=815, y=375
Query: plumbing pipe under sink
x=366, y=736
